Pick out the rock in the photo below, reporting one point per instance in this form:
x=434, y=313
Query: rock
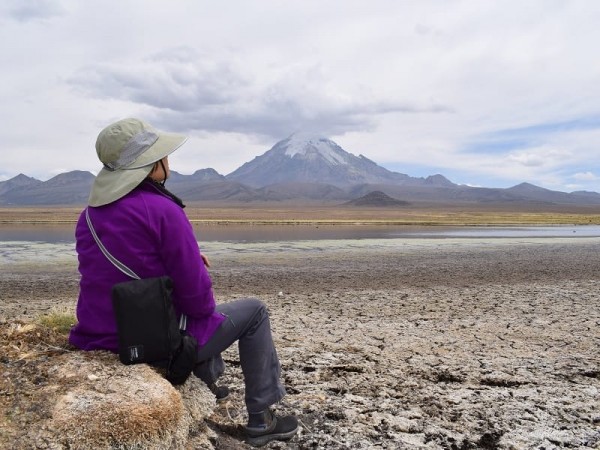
x=85, y=400
x=133, y=406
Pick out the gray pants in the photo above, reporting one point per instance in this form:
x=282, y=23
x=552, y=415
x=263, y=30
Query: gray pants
x=247, y=321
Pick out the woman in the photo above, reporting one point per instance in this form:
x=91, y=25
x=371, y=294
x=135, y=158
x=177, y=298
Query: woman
x=144, y=226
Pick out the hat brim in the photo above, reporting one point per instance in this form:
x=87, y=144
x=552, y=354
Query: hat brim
x=111, y=185
x=166, y=144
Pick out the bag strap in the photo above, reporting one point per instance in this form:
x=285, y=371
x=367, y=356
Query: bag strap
x=122, y=267
x=118, y=264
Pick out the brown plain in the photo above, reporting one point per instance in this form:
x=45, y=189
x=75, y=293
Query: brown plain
x=293, y=214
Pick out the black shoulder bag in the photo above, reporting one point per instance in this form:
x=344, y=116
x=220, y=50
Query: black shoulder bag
x=147, y=324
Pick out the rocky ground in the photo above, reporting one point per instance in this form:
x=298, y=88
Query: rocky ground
x=491, y=346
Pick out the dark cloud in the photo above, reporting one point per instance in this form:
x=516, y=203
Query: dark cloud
x=189, y=91
x=180, y=80
x=31, y=10
x=274, y=124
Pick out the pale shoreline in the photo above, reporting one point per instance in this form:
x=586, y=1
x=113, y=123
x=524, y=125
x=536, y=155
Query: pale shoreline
x=492, y=345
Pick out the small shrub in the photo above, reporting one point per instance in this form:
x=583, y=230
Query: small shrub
x=61, y=322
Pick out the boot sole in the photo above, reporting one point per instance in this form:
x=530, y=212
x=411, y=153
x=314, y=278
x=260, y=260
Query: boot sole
x=259, y=441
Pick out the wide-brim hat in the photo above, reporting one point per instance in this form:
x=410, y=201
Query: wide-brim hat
x=128, y=149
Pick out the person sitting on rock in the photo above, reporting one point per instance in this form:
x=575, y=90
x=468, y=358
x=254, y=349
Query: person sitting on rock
x=144, y=226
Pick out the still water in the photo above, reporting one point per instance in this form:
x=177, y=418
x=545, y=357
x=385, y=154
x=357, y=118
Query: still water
x=277, y=233
x=56, y=244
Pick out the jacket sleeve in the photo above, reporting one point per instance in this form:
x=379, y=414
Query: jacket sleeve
x=192, y=292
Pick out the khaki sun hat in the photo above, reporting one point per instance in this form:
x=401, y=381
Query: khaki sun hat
x=128, y=149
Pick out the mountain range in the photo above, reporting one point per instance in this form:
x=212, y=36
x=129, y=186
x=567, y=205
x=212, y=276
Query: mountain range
x=301, y=168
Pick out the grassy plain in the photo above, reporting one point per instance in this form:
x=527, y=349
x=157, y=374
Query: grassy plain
x=282, y=214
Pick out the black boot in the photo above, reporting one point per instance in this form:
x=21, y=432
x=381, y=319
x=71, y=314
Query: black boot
x=221, y=392
x=265, y=427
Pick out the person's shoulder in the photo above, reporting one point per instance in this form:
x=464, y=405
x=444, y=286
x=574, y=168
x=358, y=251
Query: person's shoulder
x=152, y=202
x=156, y=200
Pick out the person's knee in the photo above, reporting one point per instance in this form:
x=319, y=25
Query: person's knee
x=258, y=311
x=256, y=305
x=247, y=313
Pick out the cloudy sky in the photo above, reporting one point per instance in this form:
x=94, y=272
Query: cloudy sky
x=487, y=93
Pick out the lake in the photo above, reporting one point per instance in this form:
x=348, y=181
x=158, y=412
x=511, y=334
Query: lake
x=275, y=233
x=56, y=243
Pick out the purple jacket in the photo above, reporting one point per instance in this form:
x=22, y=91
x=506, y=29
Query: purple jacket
x=148, y=232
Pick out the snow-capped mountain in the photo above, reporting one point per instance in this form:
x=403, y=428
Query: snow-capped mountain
x=313, y=159
x=303, y=168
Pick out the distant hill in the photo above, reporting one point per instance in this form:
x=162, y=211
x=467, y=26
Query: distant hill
x=376, y=199
x=19, y=182
x=301, y=168
x=216, y=191
x=532, y=192
x=64, y=189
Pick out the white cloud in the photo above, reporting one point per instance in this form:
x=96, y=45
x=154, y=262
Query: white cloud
x=585, y=176
x=486, y=92
x=544, y=156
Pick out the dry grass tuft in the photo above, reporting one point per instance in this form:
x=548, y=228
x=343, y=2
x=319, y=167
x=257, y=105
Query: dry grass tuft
x=60, y=322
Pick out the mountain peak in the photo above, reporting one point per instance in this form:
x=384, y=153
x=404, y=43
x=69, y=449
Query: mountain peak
x=526, y=187
x=20, y=181
x=310, y=158
x=310, y=145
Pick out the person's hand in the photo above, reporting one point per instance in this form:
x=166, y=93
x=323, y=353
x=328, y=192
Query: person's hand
x=205, y=260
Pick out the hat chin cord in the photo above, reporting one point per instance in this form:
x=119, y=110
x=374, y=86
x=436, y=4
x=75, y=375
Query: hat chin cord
x=162, y=164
